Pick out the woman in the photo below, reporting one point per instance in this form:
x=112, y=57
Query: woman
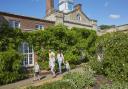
x=52, y=62
x=60, y=59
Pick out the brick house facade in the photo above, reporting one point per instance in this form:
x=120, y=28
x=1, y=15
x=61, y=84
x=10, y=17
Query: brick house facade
x=26, y=24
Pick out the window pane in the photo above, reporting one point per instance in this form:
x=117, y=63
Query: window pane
x=30, y=60
x=25, y=48
x=17, y=24
x=30, y=55
x=78, y=17
x=37, y=26
x=70, y=6
x=14, y=24
x=11, y=23
x=30, y=49
x=26, y=59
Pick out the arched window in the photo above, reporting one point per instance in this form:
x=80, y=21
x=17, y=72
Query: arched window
x=78, y=17
x=28, y=53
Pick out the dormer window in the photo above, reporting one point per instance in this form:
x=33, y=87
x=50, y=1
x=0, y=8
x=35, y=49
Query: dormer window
x=39, y=27
x=14, y=24
x=78, y=17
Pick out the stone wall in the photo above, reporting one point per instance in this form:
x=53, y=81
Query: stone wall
x=121, y=28
x=71, y=24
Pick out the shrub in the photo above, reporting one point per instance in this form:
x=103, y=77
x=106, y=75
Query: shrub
x=81, y=78
x=10, y=67
x=55, y=85
x=115, y=85
x=70, y=41
x=96, y=66
x=114, y=48
x=44, y=65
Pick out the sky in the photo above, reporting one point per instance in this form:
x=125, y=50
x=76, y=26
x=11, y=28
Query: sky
x=108, y=12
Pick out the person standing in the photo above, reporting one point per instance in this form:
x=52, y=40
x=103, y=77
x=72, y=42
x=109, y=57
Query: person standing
x=60, y=59
x=36, y=71
x=52, y=62
x=67, y=66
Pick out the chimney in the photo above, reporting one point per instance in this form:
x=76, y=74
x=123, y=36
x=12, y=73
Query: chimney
x=78, y=7
x=49, y=7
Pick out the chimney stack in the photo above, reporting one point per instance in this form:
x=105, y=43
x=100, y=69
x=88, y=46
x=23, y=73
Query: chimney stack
x=78, y=7
x=49, y=7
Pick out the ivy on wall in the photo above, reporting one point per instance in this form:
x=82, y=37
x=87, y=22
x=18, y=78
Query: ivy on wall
x=70, y=41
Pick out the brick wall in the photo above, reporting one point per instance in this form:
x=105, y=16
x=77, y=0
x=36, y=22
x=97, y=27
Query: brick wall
x=26, y=23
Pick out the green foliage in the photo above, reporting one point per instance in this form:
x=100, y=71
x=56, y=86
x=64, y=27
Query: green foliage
x=71, y=41
x=102, y=27
x=81, y=78
x=60, y=37
x=115, y=85
x=55, y=85
x=10, y=67
x=114, y=48
x=96, y=66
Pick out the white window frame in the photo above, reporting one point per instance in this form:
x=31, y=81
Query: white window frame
x=39, y=27
x=12, y=23
x=28, y=55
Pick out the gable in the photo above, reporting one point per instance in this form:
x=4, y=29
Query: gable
x=77, y=16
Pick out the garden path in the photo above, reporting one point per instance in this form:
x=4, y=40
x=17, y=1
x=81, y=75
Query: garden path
x=45, y=78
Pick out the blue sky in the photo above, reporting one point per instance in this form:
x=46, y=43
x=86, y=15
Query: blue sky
x=111, y=12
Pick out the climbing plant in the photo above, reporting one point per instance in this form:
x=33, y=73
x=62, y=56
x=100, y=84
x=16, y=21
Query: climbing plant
x=71, y=41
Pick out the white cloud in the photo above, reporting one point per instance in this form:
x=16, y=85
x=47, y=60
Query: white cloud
x=114, y=16
x=106, y=4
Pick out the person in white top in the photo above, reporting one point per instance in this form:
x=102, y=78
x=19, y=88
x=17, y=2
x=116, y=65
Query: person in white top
x=67, y=66
x=36, y=71
x=52, y=62
x=60, y=59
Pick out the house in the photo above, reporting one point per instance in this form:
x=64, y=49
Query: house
x=26, y=24
x=67, y=14
x=23, y=22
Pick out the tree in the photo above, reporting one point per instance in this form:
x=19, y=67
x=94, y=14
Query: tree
x=103, y=27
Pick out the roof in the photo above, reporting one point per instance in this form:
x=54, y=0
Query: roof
x=82, y=13
x=122, y=25
x=78, y=24
x=73, y=12
x=24, y=17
